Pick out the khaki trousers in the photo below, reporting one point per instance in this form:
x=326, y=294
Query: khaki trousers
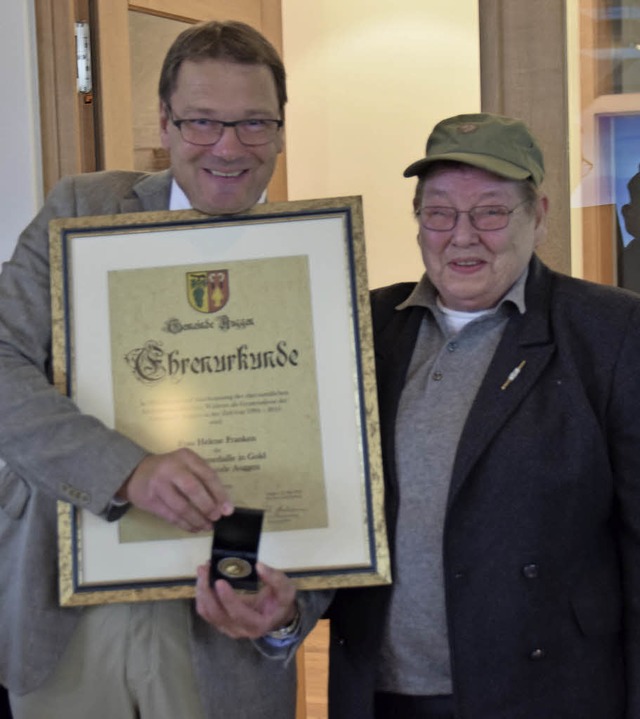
x=124, y=661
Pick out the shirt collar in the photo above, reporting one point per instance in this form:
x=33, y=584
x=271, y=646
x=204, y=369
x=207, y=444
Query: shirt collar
x=179, y=201
x=424, y=294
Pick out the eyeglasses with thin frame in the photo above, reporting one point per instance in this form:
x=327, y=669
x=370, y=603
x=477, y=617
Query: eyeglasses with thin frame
x=482, y=217
x=204, y=131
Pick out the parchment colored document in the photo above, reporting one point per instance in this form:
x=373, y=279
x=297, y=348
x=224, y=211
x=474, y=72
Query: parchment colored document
x=220, y=358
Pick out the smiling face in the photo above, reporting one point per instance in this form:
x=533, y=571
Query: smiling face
x=473, y=269
x=226, y=177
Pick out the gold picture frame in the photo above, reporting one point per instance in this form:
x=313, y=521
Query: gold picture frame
x=248, y=338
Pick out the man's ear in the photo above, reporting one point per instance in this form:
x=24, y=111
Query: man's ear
x=280, y=140
x=164, y=124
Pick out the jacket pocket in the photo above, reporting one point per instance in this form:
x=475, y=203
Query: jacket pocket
x=14, y=493
x=597, y=604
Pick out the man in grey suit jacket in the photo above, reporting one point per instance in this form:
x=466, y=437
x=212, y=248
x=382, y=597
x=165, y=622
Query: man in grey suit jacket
x=222, y=96
x=510, y=427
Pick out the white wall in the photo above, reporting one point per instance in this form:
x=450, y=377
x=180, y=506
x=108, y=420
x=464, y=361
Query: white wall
x=367, y=80
x=20, y=176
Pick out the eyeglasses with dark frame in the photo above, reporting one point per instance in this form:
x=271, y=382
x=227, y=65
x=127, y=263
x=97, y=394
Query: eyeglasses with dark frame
x=204, y=131
x=482, y=217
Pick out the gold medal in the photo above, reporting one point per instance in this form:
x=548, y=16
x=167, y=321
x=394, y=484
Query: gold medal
x=234, y=567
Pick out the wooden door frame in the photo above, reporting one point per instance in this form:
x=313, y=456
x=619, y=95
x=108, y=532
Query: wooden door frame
x=66, y=117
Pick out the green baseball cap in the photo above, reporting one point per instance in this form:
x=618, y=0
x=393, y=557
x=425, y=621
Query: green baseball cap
x=498, y=144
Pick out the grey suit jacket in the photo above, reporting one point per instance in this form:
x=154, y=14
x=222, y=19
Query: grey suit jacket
x=51, y=451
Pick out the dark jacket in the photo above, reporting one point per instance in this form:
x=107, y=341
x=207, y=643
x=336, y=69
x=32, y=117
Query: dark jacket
x=542, y=533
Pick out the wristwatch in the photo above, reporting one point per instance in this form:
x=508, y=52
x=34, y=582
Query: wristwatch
x=288, y=630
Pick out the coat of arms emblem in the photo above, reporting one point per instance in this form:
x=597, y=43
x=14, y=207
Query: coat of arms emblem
x=208, y=291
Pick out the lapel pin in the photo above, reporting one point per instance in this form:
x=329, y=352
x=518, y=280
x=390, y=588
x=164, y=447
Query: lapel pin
x=513, y=374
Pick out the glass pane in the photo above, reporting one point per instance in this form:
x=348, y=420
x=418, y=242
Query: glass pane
x=151, y=37
x=618, y=54
x=610, y=140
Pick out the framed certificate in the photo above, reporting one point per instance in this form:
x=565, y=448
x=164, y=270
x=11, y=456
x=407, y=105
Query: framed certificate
x=248, y=339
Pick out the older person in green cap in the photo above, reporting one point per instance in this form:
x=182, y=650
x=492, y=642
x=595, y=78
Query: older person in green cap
x=510, y=418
